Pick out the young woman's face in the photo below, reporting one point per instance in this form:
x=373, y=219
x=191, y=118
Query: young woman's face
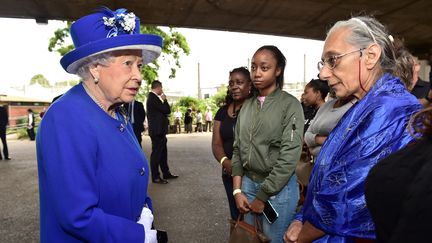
x=264, y=71
x=120, y=80
x=239, y=86
x=310, y=97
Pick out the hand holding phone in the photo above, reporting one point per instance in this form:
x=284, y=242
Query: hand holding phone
x=269, y=212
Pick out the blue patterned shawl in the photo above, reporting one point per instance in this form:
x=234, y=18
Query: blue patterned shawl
x=371, y=130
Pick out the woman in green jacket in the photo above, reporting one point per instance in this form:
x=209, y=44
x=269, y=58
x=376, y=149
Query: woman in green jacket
x=267, y=146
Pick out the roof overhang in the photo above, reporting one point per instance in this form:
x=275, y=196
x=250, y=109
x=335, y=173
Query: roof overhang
x=409, y=19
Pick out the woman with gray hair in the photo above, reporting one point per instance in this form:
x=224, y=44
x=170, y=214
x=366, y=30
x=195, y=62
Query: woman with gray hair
x=358, y=60
x=93, y=176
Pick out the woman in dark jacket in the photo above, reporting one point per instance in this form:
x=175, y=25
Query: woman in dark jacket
x=398, y=189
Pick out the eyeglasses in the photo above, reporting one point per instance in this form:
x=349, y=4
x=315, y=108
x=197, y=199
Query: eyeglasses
x=331, y=61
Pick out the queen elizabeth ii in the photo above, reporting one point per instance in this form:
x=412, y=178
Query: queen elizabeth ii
x=93, y=175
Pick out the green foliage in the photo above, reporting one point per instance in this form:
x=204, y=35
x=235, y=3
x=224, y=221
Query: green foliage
x=66, y=83
x=21, y=133
x=57, y=42
x=188, y=101
x=219, y=97
x=174, y=44
x=40, y=79
x=197, y=104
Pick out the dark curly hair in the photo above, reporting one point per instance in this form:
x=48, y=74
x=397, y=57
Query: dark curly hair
x=319, y=85
x=246, y=73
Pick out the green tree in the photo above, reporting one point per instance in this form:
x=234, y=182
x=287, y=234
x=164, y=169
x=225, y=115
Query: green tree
x=219, y=97
x=66, y=83
x=40, y=79
x=174, y=44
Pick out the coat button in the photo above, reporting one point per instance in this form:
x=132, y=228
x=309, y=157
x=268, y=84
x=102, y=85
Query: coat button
x=142, y=171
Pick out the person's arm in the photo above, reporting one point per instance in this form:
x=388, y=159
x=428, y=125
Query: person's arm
x=237, y=171
x=320, y=139
x=217, y=148
x=309, y=233
x=427, y=101
x=309, y=137
x=289, y=154
x=155, y=103
x=240, y=198
x=293, y=232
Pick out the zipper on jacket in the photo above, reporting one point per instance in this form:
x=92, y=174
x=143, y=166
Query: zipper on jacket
x=251, y=133
x=293, y=129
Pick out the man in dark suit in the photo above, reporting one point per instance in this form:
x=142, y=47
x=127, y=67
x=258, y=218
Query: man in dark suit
x=158, y=110
x=137, y=116
x=4, y=120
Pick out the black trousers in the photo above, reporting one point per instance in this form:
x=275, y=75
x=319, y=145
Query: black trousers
x=31, y=133
x=3, y=139
x=208, y=126
x=138, y=134
x=177, y=125
x=159, y=156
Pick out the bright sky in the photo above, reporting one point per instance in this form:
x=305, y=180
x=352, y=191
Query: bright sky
x=25, y=53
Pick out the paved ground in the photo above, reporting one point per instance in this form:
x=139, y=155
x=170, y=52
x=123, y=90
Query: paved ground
x=192, y=208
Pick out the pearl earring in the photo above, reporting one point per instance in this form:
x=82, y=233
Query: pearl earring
x=96, y=80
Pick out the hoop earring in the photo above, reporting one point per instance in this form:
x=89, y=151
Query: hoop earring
x=96, y=80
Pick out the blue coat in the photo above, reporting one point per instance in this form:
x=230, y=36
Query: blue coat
x=93, y=175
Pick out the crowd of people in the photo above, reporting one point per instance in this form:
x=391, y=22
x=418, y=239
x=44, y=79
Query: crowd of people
x=364, y=126
x=366, y=143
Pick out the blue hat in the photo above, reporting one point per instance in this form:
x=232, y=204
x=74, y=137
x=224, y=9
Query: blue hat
x=106, y=31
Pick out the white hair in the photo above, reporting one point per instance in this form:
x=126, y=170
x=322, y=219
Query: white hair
x=365, y=31
x=83, y=71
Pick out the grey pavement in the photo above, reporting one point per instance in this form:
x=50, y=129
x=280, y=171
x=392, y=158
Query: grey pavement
x=192, y=208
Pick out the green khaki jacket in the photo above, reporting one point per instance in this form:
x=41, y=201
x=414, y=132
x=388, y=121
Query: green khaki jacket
x=268, y=141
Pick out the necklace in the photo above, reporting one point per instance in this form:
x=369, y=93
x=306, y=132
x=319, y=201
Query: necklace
x=235, y=112
x=111, y=113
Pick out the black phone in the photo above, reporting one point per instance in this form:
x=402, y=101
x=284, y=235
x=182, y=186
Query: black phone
x=270, y=213
x=162, y=236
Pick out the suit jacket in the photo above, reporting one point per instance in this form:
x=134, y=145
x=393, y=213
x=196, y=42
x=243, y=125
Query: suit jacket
x=93, y=176
x=157, y=115
x=139, y=115
x=4, y=118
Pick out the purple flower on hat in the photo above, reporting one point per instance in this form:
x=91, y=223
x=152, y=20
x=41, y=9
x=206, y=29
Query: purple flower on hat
x=121, y=21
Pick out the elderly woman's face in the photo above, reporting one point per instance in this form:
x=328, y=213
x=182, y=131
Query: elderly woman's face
x=344, y=77
x=239, y=86
x=120, y=80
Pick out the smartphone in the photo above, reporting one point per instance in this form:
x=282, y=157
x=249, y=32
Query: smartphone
x=270, y=213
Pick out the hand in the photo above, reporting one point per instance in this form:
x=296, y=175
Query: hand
x=242, y=203
x=163, y=96
x=293, y=231
x=227, y=166
x=320, y=139
x=146, y=219
x=150, y=236
x=257, y=206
